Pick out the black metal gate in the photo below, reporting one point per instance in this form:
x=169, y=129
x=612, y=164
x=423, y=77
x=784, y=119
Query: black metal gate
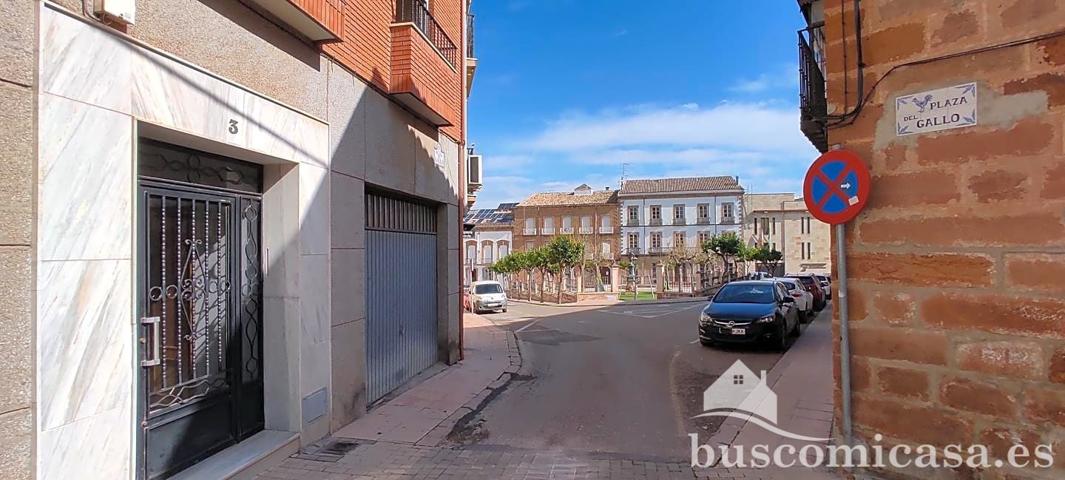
x=200, y=307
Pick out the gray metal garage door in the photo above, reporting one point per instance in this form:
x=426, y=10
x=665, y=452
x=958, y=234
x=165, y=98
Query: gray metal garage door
x=401, y=302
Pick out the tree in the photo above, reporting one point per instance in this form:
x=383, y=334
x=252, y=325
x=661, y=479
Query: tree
x=681, y=256
x=563, y=254
x=538, y=260
x=773, y=259
x=727, y=246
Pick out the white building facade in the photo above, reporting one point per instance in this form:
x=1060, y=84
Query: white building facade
x=487, y=238
x=671, y=218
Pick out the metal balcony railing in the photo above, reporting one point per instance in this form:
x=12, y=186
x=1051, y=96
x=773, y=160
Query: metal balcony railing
x=605, y=229
x=680, y=221
x=417, y=13
x=655, y=222
x=587, y=230
x=470, y=53
x=813, y=105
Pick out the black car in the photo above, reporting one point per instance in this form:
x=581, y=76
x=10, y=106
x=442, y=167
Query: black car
x=748, y=312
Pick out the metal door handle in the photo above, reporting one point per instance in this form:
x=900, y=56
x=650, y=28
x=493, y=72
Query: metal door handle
x=156, y=347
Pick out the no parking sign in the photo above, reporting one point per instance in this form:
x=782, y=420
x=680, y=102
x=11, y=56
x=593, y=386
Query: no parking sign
x=836, y=187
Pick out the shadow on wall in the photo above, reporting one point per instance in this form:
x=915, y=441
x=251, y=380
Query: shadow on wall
x=257, y=24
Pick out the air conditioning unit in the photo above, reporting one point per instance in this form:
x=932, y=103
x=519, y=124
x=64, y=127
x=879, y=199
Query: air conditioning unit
x=124, y=11
x=475, y=169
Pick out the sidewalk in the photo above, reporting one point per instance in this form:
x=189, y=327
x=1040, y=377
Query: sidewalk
x=802, y=381
x=426, y=413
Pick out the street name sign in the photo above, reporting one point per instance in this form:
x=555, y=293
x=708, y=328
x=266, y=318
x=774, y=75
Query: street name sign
x=935, y=110
x=837, y=186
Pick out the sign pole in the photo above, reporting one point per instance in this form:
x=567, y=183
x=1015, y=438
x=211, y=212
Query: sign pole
x=844, y=332
x=836, y=189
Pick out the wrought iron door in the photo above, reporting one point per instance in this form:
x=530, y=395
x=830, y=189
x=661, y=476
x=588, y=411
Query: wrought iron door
x=200, y=315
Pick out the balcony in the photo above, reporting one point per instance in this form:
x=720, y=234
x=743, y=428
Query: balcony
x=633, y=251
x=318, y=20
x=587, y=230
x=813, y=105
x=703, y=221
x=471, y=56
x=422, y=55
x=679, y=221
x=529, y=231
x=566, y=230
x=633, y=222
x=655, y=222
x=547, y=231
x=728, y=220
x=606, y=230
x=656, y=250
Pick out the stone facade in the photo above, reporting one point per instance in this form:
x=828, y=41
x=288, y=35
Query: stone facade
x=956, y=299
x=782, y=222
x=18, y=161
x=324, y=137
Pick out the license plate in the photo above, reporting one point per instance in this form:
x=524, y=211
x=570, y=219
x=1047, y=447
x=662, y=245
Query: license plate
x=739, y=331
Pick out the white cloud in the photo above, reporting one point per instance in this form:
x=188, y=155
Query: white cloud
x=728, y=126
x=783, y=78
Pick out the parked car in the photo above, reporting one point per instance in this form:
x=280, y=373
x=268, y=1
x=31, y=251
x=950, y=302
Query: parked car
x=758, y=276
x=487, y=295
x=804, y=300
x=826, y=284
x=812, y=285
x=750, y=311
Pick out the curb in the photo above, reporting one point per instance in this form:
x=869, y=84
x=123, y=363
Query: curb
x=637, y=302
x=461, y=416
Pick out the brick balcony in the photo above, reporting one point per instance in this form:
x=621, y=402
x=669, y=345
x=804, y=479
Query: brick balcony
x=424, y=64
x=318, y=20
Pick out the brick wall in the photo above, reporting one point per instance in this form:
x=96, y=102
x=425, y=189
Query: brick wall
x=398, y=59
x=957, y=298
x=557, y=212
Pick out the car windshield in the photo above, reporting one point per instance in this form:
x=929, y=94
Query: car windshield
x=805, y=280
x=487, y=288
x=745, y=294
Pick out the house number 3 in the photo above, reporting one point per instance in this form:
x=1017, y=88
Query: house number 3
x=233, y=126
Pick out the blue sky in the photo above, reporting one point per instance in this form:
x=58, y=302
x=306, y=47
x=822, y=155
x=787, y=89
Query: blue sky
x=567, y=91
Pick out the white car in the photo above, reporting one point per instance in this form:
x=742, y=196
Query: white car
x=803, y=300
x=487, y=295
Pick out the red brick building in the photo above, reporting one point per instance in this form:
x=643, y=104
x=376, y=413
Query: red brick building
x=957, y=298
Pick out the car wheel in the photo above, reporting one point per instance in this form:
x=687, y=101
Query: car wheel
x=797, y=331
x=504, y=310
x=706, y=343
x=782, y=342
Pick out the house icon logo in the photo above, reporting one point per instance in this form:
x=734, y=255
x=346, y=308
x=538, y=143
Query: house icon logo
x=741, y=394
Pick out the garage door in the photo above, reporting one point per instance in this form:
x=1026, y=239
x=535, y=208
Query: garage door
x=401, y=307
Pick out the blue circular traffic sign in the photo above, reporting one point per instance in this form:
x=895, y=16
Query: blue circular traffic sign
x=837, y=186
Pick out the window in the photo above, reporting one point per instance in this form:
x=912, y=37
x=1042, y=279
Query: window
x=704, y=211
x=486, y=252
x=567, y=222
x=765, y=225
x=703, y=238
x=530, y=223
x=807, y=250
x=755, y=226
x=679, y=240
x=504, y=249
x=773, y=223
x=586, y=221
x=678, y=212
x=773, y=246
x=634, y=215
x=737, y=379
x=656, y=240
x=605, y=249
x=529, y=245
x=471, y=252
x=634, y=241
x=549, y=222
x=606, y=221
x=726, y=210
x=487, y=288
x=656, y=212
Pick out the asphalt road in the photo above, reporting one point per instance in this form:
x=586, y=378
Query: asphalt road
x=625, y=379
